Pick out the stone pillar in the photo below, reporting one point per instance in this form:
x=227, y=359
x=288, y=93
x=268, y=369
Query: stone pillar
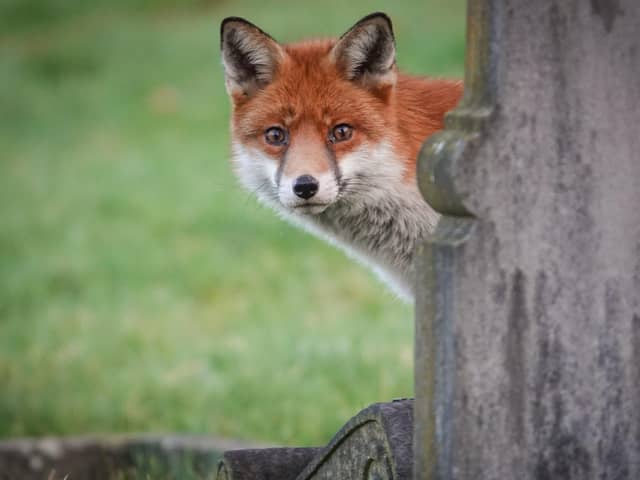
x=528, y=305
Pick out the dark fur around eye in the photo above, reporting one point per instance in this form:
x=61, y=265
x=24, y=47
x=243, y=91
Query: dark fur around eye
x=341, y=133
x=276, y=136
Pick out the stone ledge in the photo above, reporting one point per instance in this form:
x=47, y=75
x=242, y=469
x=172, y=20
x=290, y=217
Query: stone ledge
x=119, y=457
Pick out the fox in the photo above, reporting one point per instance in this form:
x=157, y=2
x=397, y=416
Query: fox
x=327, y=133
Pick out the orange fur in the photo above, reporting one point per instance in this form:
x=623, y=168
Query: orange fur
x=309, y=95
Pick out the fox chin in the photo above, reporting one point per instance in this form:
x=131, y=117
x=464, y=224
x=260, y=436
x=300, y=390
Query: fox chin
x=327, y=133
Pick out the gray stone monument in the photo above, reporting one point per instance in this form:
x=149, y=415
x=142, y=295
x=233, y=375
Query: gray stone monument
x=376, y=444
x=528, y=311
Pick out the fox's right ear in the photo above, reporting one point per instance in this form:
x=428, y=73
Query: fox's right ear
x=250, y=56
x=367, y=53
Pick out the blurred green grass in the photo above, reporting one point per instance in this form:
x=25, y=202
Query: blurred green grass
x=140, y=288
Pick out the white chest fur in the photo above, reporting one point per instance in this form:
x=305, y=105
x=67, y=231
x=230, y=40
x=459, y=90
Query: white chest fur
x=378, y=218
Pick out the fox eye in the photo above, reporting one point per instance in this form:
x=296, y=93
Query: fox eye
x=275, y=136
x=341, y=133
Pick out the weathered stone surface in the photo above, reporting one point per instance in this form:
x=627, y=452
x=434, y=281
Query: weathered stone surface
x=265, y=463
x=106, y=458
x=375, y=444
x=528, y=320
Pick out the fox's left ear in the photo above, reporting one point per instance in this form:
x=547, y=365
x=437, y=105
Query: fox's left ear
x=367, y=52
x=250, y=57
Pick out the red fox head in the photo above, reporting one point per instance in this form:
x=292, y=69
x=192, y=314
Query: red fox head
x=313, y=121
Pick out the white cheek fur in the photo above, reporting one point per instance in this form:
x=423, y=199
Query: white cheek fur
x=256, y=171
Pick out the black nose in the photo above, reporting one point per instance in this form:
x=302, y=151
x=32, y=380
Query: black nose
x=305, y=186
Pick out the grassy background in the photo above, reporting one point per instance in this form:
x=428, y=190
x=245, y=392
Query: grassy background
x=140, y=288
